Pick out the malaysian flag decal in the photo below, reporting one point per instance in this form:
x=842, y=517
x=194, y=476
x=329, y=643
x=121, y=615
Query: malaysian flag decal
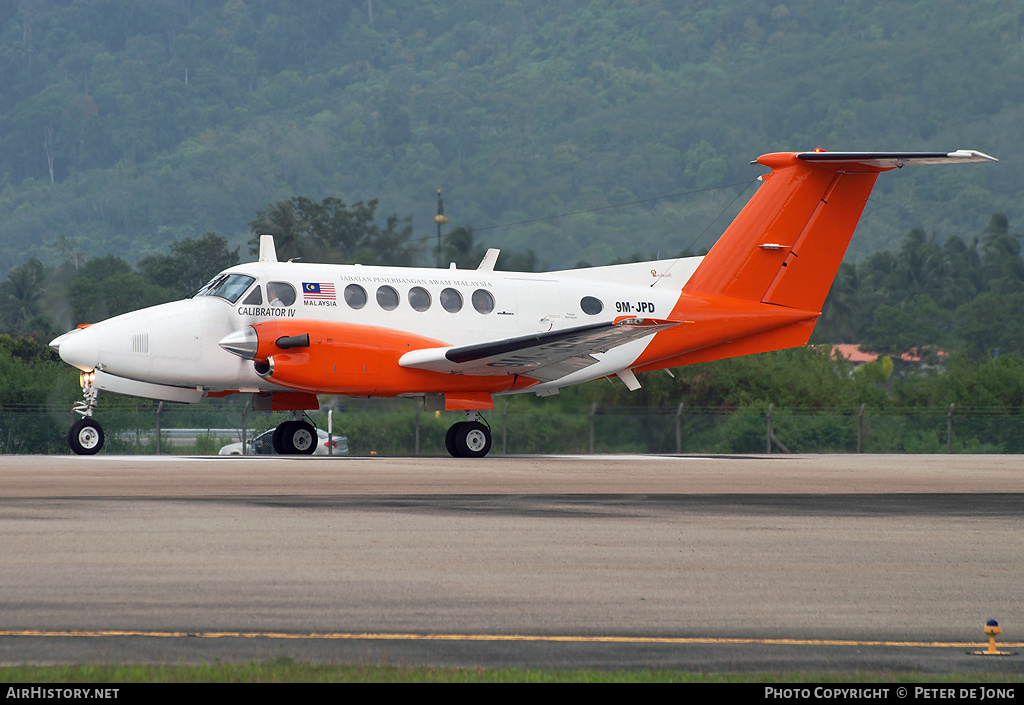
x=317, y=291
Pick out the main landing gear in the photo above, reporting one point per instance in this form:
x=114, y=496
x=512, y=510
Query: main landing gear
x=470, y=438
x=295, y=437
x=86, y=435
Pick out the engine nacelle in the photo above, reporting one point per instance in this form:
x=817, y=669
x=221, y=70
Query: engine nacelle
x=346, y=358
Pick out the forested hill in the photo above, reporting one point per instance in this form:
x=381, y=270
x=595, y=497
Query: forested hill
x=127, y=125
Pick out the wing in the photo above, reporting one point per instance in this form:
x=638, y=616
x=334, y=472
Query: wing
x=542, y=356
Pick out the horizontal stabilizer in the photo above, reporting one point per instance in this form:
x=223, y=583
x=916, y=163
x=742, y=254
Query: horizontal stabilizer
x=896, y=160
x=542, y=356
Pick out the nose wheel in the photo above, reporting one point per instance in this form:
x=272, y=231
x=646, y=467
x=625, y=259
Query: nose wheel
x=468, y=439
x=85, y=437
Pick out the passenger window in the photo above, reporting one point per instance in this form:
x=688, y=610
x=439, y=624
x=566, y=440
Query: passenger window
x=591, y=306
x=387, y=297
x=419, y=298
x=255, y=297
x=451, y=300
x=355, y=296
x=280, y=294
x=483, y=301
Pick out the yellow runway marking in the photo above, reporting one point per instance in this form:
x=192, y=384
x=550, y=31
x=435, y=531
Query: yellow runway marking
x=384, y=636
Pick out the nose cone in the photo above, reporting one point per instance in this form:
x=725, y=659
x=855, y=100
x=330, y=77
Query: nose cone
x=243, y=343
x=79, y=348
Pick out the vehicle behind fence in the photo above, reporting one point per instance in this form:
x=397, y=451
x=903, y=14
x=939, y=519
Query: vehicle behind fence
x=408, y=430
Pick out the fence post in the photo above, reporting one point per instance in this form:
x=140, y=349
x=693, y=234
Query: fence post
x=504, y=430
x=593, y=409
x=949, y=429
x=771, y=434
x=159, y=409
x=245, y=425
x=418, y=410
x=679, y=428
x=860, y=427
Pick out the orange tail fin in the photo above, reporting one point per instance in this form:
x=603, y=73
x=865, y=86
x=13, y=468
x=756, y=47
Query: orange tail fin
x=786, y=245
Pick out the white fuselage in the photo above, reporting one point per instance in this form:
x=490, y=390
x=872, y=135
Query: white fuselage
x=176, y=344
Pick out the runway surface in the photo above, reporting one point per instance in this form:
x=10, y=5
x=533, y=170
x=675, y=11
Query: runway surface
x=704, y=563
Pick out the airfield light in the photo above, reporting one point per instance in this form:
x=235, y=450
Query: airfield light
x=992, y=629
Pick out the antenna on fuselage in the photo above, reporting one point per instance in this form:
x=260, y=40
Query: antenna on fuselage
x=268, y=252
x=440, y=219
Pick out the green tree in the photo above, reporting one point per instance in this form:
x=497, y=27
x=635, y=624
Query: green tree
x=991, y=323
x=331, y=231
x=1000, y=256
x=107, y=286
x=917, y=325
x=190, y=264
x=22, y=295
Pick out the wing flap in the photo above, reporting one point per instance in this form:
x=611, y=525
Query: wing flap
x=543, y=356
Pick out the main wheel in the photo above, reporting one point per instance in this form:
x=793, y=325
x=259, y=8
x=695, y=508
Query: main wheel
x=449, y=439
x=298, y=438
x=277, y=439
x=472, y=439
x=85, y=437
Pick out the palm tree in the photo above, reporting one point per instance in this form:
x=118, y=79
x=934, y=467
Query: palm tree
x=1000, y=256
x=22, y=294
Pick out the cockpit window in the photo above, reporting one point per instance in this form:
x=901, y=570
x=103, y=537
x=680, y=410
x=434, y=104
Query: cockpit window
x=255, y=297
x=227, y=286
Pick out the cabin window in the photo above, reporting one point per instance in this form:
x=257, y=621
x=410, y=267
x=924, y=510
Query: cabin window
x=355, y=296
x=451, y=300
x=255, y=297
x=387, y=297
x=419, y=298
x=483, y=302
x=591, y=306
x=280, y=294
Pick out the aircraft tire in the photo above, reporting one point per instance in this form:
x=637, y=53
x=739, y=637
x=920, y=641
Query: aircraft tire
x=472, y=439
x=276, y=440
x=449, y=439
x=299, y=438
x=85, y=437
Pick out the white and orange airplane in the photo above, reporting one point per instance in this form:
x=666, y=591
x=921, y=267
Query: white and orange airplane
x=286, y=332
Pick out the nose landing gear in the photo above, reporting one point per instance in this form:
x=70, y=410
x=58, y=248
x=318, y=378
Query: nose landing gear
x=470, y=438
x=86, y=435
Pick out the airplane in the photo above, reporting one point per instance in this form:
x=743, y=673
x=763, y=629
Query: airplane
x=456, y=338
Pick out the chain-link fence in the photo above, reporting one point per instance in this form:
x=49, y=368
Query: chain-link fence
x=408, y=430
